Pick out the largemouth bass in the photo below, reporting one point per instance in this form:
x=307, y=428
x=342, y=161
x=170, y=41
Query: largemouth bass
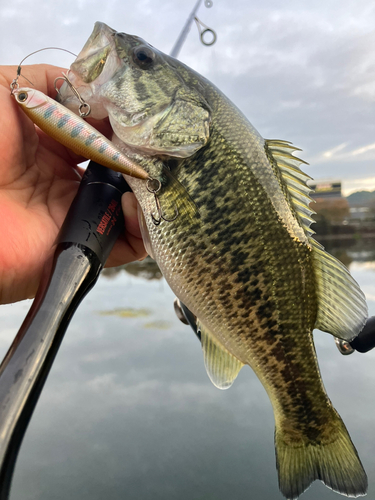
x=240, y=252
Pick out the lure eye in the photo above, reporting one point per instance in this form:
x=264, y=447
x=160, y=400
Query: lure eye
x=22, y=97
x=143, y=57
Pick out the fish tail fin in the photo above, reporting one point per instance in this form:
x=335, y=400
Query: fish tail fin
x=331, y=458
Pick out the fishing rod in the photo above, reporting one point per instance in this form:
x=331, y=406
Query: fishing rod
x=90, y=230
x=202, y=32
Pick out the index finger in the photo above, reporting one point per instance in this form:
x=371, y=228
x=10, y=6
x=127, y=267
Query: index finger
x=41, y=75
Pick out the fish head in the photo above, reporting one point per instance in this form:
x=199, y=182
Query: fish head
x=155, y=104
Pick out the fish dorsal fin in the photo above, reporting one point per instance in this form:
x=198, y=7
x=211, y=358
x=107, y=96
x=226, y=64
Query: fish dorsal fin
x=295, y=180
x=342, y=308
x=221, y=366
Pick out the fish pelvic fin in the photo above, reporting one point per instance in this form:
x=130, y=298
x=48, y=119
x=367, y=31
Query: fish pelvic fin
x=221, y=366
x=333, y=460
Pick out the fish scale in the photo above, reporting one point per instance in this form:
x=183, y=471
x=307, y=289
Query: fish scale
x=247, y=297
x=240, y=254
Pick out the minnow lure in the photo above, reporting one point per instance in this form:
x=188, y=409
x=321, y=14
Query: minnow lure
x=73, y=132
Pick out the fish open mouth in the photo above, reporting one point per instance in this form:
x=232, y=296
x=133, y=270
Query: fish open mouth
x=95, y=64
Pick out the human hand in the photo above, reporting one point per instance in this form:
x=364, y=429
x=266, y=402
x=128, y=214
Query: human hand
x=38, y=181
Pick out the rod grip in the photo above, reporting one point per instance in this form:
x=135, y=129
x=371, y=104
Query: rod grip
x=95, y=218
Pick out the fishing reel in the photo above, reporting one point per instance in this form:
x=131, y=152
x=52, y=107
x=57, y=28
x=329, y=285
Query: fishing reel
x=364, y=342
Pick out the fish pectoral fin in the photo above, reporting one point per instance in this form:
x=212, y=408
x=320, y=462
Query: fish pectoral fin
x=342, y=308
x=183, y=128
x=174, y=198
x=221, y=366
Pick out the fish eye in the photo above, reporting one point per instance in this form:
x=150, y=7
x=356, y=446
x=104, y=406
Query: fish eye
x=22, y=96
x=143, y=57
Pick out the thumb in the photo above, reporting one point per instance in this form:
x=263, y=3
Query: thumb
x=42, y=76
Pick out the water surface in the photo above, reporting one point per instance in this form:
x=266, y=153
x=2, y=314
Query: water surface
x=129, y=412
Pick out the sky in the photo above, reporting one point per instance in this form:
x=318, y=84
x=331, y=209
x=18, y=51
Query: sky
x=302, y=71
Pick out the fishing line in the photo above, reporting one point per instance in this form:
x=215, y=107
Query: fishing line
x=14, y=84
x=84, y=108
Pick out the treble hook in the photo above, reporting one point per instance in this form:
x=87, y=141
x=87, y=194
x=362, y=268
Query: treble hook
x=201, y=25
x=155, y=192
x=83, y=104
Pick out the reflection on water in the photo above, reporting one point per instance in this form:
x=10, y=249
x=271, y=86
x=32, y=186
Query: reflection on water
x=129, y=412
x=147, y=269
x=126, y=313
x=349, y=250
x=160, y=325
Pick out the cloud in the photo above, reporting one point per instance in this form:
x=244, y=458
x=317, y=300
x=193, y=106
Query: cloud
x=338, y=154
x=8, y=13
x=332, y=152
x=300, y=72
x=363, y=150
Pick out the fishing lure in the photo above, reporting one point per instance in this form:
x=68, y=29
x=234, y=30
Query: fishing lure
x=73, y=132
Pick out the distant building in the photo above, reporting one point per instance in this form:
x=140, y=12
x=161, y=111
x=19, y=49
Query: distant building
x=325, y=189
x=360, y=214
x=330, y=206
x=333, y=209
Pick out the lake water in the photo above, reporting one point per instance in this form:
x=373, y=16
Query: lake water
x=128, y=411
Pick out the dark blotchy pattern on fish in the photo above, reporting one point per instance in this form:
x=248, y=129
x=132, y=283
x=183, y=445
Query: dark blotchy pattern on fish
x=242, y=288
x=246, y=270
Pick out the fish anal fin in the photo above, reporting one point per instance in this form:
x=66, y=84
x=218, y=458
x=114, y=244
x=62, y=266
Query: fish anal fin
x=221, y=366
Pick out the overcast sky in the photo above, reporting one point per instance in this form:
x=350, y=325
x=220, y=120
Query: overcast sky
x=302, y=71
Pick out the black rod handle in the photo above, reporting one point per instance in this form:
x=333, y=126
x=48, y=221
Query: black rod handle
x=91, y=228
x=365, y=341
